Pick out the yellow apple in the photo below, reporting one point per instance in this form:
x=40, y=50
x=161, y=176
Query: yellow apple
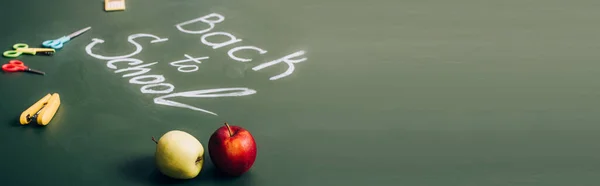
x=179, y=155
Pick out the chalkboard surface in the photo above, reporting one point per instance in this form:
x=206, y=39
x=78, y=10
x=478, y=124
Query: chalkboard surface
x=429, y=92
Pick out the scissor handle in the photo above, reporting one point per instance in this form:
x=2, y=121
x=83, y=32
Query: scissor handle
x=16, y=62
x=20, y=45
x=56, y=43
x=12, y=53
x=14, y=66
x=15, y=53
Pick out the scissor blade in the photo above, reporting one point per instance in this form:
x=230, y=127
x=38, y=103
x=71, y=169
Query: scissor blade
x=37, y=72
x=79, y=32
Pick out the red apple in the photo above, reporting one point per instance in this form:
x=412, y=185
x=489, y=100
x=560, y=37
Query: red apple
x=232, y=149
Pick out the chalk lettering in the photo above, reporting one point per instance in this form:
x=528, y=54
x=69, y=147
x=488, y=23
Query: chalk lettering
x=287, y=59
x=201, y=94
x=206, y=19
x=232, y=39
x=138, y=79
x=147, y=89
x=137, y=70
x=190, y=68
x=157, y=81
x=149, y=85
x=233, y=50
x=154, y=84
x=138, y=47
x=111, y=64
x=140, y=69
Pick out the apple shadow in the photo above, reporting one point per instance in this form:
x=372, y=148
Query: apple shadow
x=143, y=170
x=211, y=174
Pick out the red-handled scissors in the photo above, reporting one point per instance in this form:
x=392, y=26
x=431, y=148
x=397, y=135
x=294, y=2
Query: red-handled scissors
x=18, y=66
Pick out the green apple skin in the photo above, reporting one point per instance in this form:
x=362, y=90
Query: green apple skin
x=179, y=155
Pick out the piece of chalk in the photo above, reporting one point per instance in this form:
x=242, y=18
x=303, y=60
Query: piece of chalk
x=114, y=5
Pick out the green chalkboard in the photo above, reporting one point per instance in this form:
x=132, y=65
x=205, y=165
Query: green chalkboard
x=429, y=92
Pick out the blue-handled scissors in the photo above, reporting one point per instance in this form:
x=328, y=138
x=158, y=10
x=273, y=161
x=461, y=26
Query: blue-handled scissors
x=58, y=43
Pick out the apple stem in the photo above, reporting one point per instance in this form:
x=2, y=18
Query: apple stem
x=229, y=129
x=154, y=140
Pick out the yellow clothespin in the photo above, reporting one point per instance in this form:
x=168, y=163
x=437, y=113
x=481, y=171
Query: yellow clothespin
x=44, y=110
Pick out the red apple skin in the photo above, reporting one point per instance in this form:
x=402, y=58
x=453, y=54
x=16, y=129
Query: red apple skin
x=232, y=153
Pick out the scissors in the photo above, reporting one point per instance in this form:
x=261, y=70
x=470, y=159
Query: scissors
x=58, y=43
x=18, y=66
x=21, y=48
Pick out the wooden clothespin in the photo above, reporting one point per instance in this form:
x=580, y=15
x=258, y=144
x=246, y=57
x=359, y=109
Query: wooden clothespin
x=43, y=110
